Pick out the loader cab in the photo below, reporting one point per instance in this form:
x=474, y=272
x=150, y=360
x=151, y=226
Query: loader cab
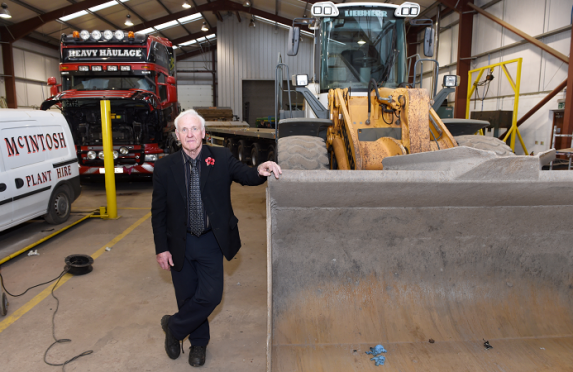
x=358, y=42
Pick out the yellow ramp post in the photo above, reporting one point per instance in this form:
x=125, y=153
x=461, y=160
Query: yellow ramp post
x=108, y=160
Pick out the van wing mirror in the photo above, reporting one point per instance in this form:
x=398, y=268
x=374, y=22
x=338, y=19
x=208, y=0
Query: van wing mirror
x=429, y=42
x=293, y=41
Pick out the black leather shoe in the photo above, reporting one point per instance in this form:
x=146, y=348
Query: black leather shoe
x=172, y=346
x=197, y=355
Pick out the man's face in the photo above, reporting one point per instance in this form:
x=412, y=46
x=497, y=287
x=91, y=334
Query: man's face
x=190, y=133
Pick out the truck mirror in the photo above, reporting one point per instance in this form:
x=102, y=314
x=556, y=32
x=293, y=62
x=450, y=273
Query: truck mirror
x=52, y=81
x=54, y=86
x=170, y=80
x=429, y=42
x=293, y=40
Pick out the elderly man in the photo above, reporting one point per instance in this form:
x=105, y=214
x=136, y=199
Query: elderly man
x=194, y=227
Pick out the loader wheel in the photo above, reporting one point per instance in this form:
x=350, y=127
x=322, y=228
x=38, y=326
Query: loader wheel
x=302, y=152
x=485, y=143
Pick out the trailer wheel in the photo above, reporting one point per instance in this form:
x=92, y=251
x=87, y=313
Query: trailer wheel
x=485, y=143
x=59, y=207
x=231, y=144
x=256, y=155
x=271, y=153
x=243, y=151
x=302, y=152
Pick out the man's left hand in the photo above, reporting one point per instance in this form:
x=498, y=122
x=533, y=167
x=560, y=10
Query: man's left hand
x=269, y=167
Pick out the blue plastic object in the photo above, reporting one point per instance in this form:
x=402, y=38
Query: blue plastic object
x=378, y=349
x=379, y=360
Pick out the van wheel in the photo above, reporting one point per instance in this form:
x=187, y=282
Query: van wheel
x=60, y=207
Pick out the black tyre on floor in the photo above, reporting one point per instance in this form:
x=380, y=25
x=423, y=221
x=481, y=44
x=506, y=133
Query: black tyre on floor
x=302, y=152
x=485, y=143
x=59, y=207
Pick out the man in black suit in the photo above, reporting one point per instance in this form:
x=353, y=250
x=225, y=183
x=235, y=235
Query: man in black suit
x=194, y=227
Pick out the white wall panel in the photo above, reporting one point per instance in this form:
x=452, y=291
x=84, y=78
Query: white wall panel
x=190, y=96
x=486, y=33
x=21, y=93
x=247, y=53
x=527, y=16
x=445, y=52
x=19, y=63
x=558, y=14
x=34, y=65
x=554, y=70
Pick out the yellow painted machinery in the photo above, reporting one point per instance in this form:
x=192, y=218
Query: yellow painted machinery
x=426, y=243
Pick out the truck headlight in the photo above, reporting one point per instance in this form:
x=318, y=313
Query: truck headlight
x=123, y=150
x=151, y=157
x=451, y=81
x=91, y=155
x=84, y=68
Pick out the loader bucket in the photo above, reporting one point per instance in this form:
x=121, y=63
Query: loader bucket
x=430, y=264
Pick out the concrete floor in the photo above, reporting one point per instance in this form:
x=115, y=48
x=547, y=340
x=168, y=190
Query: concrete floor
x=116, y=310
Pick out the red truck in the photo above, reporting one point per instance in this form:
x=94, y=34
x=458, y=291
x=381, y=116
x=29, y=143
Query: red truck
x=136, y=73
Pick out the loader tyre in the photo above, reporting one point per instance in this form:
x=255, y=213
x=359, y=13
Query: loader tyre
x=303, y=153
x=485, y=143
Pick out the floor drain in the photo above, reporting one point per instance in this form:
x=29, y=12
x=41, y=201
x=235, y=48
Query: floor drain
x=79, y=264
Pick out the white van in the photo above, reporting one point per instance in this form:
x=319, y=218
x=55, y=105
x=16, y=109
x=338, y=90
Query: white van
x=39, y=171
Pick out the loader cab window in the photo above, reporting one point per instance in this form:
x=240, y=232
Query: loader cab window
x=362, y=43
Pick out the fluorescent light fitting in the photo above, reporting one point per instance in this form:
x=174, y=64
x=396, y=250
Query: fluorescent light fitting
x=166, y=25
x=73, y=15
x=105, y=5
x=188, y=43
x=146, y=31
x=128, y=21
x=201, y=39
x=191, y=18
x=211, y=36
x=4, y=12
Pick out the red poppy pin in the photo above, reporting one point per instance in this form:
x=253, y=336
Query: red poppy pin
x=210, y=161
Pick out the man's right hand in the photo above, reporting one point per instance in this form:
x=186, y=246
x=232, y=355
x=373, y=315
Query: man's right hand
x=165, y=260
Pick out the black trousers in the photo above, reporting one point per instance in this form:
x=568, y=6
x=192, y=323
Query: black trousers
x=198, y=288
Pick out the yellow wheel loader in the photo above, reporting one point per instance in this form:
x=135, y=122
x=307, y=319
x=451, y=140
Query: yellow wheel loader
x=384, y=229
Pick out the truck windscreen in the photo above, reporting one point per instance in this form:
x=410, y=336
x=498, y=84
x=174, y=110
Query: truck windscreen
x=102, y=82
x=360, y=44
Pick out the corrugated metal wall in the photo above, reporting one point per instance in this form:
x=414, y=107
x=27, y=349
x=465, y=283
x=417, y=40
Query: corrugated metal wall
x=247, y=53
x=540, y=73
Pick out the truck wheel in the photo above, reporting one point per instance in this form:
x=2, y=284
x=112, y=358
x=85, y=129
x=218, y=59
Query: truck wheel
x=59, y=207
x=256, y=155
x=232, y=146
x=302, y=152
x=485, y=143
x=271, y=153
x=243, y=151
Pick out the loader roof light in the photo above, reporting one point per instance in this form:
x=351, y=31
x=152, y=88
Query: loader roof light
x=84, y=35
x=96, y=35
x=324, y=9
x=300, y=80
x=119, y=34
x=407, y=9
x=451, y=81
x=108, y=35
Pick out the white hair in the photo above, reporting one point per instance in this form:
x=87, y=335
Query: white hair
x=191, y=113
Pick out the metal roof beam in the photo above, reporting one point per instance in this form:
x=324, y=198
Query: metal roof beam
x=21, y=29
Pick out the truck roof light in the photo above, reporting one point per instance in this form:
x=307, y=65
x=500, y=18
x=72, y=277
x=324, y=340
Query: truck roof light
x=131, y=34
x=108, y=35
x=324, y=9
x=119, y=34
x=96, y=35
x=84, y=35
x=76, y=35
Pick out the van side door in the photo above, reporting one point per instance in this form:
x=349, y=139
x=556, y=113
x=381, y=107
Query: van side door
x=7, y=189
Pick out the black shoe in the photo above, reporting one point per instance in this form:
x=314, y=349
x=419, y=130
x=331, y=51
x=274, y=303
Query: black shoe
x=172, y=346
x=197, y=355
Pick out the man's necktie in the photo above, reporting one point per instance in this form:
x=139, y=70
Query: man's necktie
x=196, y=223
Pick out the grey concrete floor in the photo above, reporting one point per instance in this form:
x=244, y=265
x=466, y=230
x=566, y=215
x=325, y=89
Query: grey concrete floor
x=116, y=310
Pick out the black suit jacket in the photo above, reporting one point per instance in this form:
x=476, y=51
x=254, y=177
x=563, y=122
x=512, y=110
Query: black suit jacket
x=169, y=201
